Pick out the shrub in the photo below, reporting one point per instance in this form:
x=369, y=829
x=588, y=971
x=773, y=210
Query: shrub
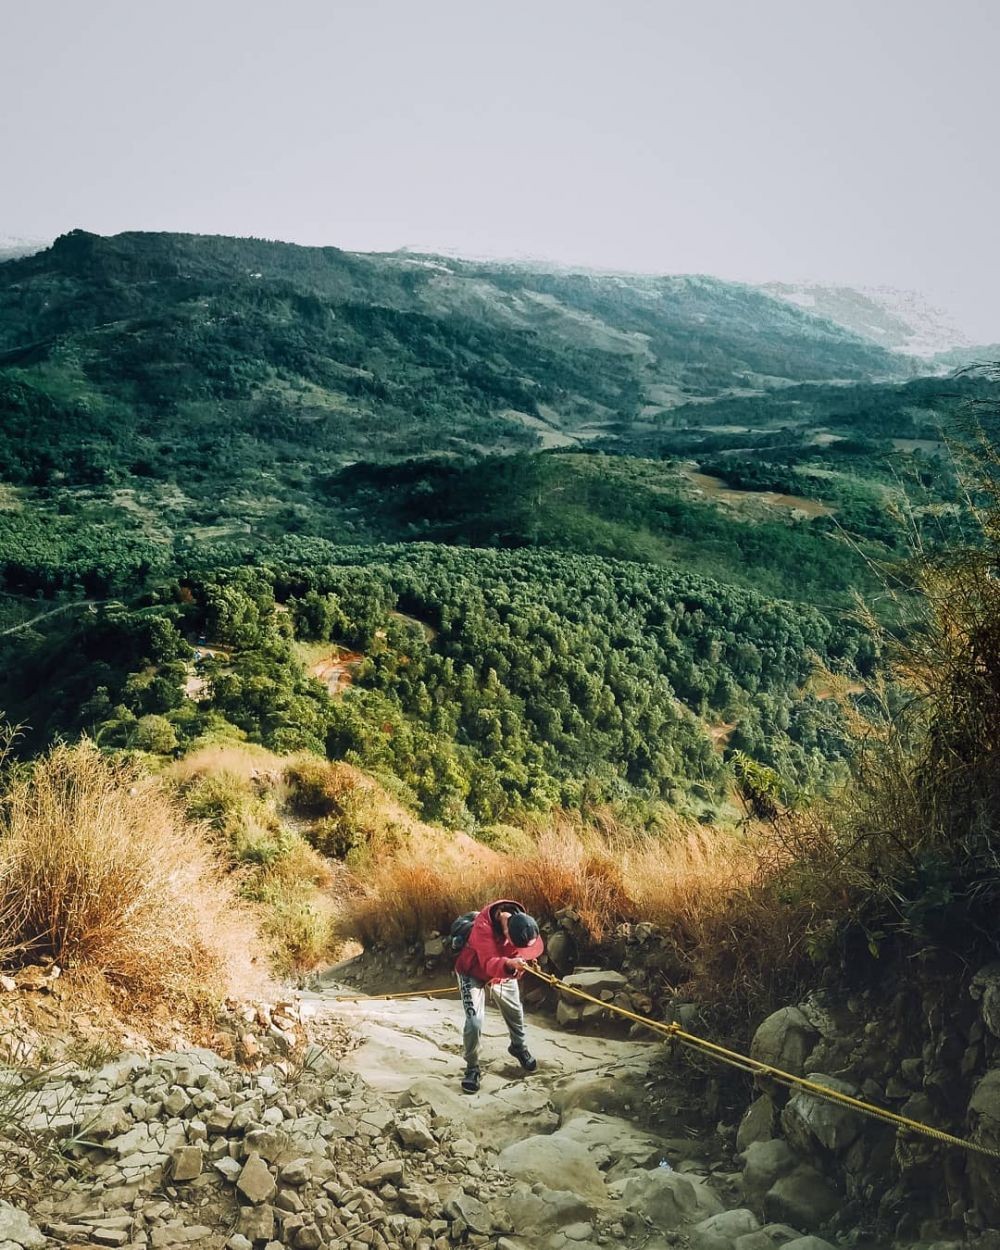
x=344, y=809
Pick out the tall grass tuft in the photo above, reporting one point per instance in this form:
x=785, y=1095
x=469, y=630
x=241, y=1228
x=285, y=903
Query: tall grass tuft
x=99, y=869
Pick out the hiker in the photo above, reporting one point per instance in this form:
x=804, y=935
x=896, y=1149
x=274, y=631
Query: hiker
x=501, y=942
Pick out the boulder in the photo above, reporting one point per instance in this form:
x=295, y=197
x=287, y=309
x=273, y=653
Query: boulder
x=414, y=1133
x=809, y=1121
x=808, y=1243
x=616, y=1145
x=16, y=1227
x=759, y=1123
x=755, y=1241
x=556, y=1161
x=719, y=1232
x=781, y=1234
x=620, y=1096
x=471, y=1212
x=561, y=952
x=541, y=1210
x=568, y=1014
x=763, y=1163
x=186, y=1163
x=802, y=1198
x=985, y=990
x=256, y=1223
x=669, y=1199
x=269, y=1143
x=595, y=981
x=256, y=1183
x=984, y=1116
x=784, y=1040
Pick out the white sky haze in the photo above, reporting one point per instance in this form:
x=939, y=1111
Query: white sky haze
x=848, y=141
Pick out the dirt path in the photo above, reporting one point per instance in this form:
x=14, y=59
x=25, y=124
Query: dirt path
x=415, y=1045
x=571, y=1136
x=63, y=607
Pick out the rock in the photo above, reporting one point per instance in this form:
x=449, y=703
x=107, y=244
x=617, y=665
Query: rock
x=985, y=990
x=239, y=1242
x=984, y=1115
x=229, y=1168
x=558, y=1162
x=296, y=1173
x=541, y=1210
x=219, y=1120
x=471, y=1212
x=763, y=1163
x=809, y=1121
x=781, y=1234
x=269, y=1143
x=417, y=1200
x=176, y=1102
x=669, y=1199
x=256, y=1223
x=16, y=1227
x=808, y=1243
x=433, y=948
x=759, y=1123
x=784, y=1040
x=414, y=1133
x=255, y=1182
x=718, y=1232
x=568, y=1014
x=595, y=981
x=110, y=1121
x=802, y=1198
x=374, y=1123
x=8, y=984
x=390, y=1172
x=186, y=1163
x=755, y=1241
x=561, y=952
x=113, y=1237
x=615, y=1145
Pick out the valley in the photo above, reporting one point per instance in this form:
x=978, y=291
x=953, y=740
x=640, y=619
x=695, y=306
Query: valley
x=341, y=591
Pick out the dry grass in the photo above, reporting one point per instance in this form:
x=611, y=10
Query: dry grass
x=672, y=880
x=99, y=869
x=267, y=835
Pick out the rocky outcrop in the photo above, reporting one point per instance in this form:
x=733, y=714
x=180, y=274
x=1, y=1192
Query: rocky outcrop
x=171, y=1149
x=930, y=1052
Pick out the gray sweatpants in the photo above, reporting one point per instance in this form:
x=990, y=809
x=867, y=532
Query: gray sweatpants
x=507, y=997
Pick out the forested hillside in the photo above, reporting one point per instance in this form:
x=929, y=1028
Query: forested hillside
x=485, y=683
x=154, y=354
x=652, y=503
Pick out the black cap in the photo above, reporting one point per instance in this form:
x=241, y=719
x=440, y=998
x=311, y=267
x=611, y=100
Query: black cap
x=523, y=929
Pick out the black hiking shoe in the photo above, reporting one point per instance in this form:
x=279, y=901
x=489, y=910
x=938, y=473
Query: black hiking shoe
x=470, y=1082
x=524, y=1057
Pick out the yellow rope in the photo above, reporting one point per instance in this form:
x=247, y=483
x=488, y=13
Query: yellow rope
x=744, y=1062
x=362, y=998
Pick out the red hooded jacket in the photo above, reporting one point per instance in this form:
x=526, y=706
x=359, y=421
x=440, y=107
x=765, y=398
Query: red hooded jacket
x=485, y=953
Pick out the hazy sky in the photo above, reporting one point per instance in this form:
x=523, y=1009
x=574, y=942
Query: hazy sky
x=845, y=140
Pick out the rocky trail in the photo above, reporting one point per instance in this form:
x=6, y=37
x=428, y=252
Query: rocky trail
x=344, y=1126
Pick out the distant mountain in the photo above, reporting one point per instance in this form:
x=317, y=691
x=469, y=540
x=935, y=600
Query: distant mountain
x=186, y=348
x=12, y=247
x=900, y=321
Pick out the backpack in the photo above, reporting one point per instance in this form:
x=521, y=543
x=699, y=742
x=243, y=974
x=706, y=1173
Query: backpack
x=459, y=932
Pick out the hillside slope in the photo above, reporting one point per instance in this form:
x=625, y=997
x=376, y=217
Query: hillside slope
x=900, y=321
x=139, y=348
